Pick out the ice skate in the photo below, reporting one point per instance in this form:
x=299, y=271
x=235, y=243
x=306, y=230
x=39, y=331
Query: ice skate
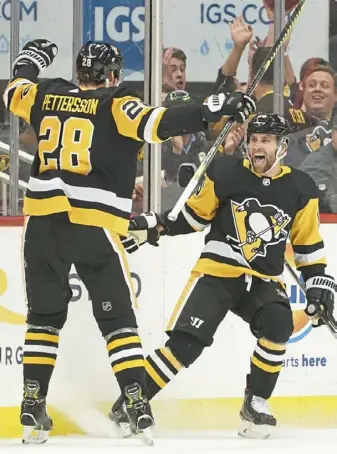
x=132, y=413
x=34, y=418
x=256, y=418
x=119, y=416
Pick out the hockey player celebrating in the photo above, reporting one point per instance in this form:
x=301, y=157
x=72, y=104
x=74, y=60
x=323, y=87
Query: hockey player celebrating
x=79, y=200
x=251, y=206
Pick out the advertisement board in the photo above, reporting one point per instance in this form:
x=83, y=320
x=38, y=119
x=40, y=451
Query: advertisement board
x=207, y=39
x=159, y=275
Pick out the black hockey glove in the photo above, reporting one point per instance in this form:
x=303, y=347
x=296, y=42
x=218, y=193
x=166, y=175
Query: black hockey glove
x=238, y=104
x=320, y=297
x=39, y=52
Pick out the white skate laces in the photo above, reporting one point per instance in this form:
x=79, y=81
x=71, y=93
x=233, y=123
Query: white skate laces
x=260, y=405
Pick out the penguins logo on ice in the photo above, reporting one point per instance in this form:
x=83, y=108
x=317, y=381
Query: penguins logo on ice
x=257, y=227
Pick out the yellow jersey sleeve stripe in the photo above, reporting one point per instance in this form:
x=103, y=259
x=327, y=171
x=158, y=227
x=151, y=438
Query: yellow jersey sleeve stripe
x=19, y=98
x=305, y=230
x=200, y=208
x=152, y=124
x=136, y=120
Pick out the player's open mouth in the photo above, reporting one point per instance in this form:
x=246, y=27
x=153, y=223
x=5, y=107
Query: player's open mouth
x=259, y=158
x=180, y=84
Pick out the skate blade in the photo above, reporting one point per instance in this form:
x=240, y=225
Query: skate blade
x=147, y=437
x=248, y=429
x=34, y=436
x=145, y=424
x=124, y=429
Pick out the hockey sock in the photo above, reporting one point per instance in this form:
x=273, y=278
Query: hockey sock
x=126, y=357
x=161, y=366
x=266, y=364
x=39, y=355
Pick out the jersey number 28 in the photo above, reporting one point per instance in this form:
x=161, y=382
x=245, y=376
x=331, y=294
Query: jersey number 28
x=72, y=138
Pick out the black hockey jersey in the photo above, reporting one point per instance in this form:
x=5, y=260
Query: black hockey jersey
x=88, y=141
x=251, y=218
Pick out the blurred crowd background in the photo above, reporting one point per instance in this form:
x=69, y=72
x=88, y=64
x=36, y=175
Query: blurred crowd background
x=310, y=100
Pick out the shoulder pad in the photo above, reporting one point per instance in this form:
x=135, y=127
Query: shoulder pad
x=305, y=183
x=57, y=83
x=123, y=90
x=221, y=165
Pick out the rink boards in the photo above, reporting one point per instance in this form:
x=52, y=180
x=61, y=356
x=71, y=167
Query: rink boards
x=208, y=395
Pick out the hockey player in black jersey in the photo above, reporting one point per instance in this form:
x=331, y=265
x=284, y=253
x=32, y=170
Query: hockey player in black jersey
x=78, y=201
x=252, y=206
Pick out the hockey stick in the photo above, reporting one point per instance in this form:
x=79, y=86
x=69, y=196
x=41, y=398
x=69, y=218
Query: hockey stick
x=193, y=183
x=329, y=322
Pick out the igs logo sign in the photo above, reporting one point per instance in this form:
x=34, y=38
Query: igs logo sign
x=121, y=23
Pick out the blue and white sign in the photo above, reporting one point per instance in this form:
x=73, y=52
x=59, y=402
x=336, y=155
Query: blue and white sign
x=121, y=23
x=201, y=28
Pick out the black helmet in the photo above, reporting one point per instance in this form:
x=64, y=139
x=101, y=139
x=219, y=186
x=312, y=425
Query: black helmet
x=97, y=60
x=268, y=123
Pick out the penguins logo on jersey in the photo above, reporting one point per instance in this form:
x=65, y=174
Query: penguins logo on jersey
x=257, y=226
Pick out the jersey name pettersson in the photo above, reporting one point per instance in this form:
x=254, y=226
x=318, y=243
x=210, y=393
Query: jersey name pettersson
x=70, y=104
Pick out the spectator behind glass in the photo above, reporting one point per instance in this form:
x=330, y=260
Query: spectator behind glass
x=264, y=93
x=319, y=87
x=322, y=167
x=173, y=70
x=190, y=148
x=295, y=90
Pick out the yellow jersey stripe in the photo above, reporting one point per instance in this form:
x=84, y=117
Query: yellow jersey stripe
x=84, y=216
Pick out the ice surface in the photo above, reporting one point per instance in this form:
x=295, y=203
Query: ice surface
x=282, y=441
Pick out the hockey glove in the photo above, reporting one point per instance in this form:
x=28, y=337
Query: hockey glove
x=238, y=104
x=39, y=52
x=130, y=243
x=320, y=298
x=142, y=229
x=144, y=221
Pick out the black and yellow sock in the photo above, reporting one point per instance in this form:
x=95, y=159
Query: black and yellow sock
x=161, y=366
x=39, y=355
x=126, y=357
x=266, y=364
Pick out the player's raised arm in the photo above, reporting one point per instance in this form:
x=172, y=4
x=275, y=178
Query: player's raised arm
x=20, y=93
x=156, y=124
